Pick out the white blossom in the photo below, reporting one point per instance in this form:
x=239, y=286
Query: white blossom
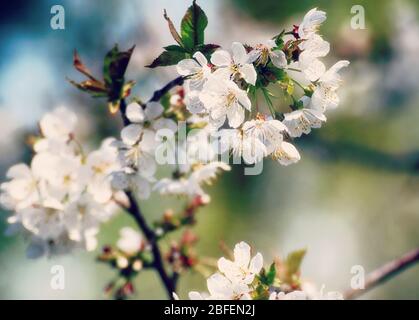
x=234, y=66
x=224, y=99
x=266, y=129
x=244, y=268
x=242, y=145
x=221, y=288
x=325, y=96
x=311, y=23
x=197, y=69
x=303, y=120
x=312, y=49
x=60, y=201
x=262, y=52
x=191, y=186
x=285, y=153
x=130, y=241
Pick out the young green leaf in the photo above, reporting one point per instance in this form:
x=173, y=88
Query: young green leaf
x=168, y=58
x=193, y=26
x=294, y=260
x=207, y=49
x=114, y=68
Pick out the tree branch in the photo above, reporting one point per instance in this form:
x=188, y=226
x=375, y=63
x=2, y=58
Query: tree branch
x=169, y=282
x=157, y=95
x=384, y=273
x=135, y=211
x=123, y=109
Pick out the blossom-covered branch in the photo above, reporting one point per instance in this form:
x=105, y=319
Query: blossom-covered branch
x=245, y=278
x=224, y=105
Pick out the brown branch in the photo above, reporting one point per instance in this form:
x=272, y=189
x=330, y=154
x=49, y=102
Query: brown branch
x=157, y=95
x=169, y=282
x=385, y=273
x=135, y=211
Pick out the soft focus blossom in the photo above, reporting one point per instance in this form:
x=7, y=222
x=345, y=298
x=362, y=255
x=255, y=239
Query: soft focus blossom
x=61, y=200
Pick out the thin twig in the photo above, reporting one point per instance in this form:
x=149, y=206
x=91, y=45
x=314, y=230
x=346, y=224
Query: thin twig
x=384, y=273
x=123, y=109
x=157, y=95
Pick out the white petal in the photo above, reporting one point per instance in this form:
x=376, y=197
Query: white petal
x=248, y=73
x=279, y=59
x=165, y=123
x=141, y=187
x=244, y=99
x=187, y=67
x=315, y=70
x=256, y=263
x=218, y=112
x=222, y=74
x=235, y=115
x=332, y=78
x=153, y=110
x=135, y=113
x=225, y=265
x=120, y=181
x=254, y=55
x=19, y=171
x=288, y=154
x=200, y=58
x=239, y=53
x=131, y=134
x=242, y=254
x=221, y=58
x=219, y=285
x=193, y=103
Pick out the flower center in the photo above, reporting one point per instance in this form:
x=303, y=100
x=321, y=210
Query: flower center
x=230, y=99
x=280, y=154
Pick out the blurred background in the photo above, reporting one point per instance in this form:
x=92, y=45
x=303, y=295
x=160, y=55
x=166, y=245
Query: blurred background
x=352, y=200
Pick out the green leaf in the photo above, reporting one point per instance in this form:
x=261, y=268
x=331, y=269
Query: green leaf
x=115, y=65
x=193, y=26
x=174, y=48
x=114, y=68
x=207, y=49
x=168, y=58
x=268, y=277
x=279, y=40
x=294, y=260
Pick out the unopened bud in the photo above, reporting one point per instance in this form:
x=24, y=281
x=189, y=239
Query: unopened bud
x=137, y=265
x=122, y=262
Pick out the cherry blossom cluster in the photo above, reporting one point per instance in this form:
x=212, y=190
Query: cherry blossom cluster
x=219, y=102
x=142, y=142
x=62, y=197
x=244, y=278
x=222, y=88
